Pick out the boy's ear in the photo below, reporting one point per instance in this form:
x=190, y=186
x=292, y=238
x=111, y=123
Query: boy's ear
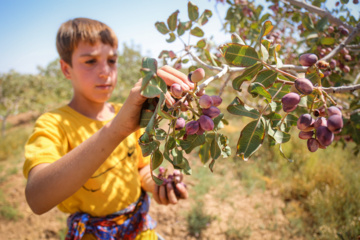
x=65, y=67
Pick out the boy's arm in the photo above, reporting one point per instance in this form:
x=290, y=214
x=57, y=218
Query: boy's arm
x=50, y=184
x=163, y=194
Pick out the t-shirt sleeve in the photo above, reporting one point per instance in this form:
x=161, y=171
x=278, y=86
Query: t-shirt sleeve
x=142, y=161
x=46, y=144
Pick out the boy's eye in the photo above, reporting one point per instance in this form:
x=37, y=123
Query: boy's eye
x=112, y=61
x=92, y=61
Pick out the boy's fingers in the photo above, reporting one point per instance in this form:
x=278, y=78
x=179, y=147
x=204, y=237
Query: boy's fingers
x=183, y=191
x=162, y=195
x=171, y=79
x=171, y=193
x=156, y=194
x=169, y=99
x=178, y=74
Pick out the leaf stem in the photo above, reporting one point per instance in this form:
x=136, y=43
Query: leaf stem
x=278, y=70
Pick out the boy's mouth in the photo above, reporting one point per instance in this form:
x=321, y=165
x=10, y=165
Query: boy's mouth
x=104, y=86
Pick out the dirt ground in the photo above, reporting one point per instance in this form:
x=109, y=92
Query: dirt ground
x=255, y=216
x=235, y=213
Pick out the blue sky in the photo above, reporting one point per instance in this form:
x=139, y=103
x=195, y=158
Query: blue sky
x=28, y=28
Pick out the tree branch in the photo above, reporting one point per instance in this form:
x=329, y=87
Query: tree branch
x=224, y=70
x=225, y=83
x=321, y=12
x=336, y=50
x=285, y=67
x=342, y=89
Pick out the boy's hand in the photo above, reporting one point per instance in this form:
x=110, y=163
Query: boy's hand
x=170, y=76
x=165, y=194
x=131, y=109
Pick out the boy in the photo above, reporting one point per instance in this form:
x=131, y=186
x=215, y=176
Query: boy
x=84, y=157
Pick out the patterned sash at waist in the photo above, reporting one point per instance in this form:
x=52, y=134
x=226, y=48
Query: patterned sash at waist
x=125, y=224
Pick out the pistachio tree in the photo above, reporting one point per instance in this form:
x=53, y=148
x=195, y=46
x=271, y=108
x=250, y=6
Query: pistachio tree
x=293, y=64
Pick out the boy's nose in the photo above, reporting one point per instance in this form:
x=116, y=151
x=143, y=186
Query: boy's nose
x=104, y=71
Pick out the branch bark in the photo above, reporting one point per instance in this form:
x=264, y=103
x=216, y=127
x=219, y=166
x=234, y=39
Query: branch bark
x=336, y=50
x=342, y=89
x=321, y=13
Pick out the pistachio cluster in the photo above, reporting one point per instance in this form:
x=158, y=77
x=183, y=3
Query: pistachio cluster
x=319, y=132
x=206, y=106
x=174, y=179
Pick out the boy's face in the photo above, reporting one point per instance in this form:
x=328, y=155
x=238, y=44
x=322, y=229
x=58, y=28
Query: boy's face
x=93, y=72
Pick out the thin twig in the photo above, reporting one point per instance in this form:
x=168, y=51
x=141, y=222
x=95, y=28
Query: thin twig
x=336, y=50
x=321, y=12
x=225, y=84
x=285, y=67
x=278, y=80
x=341, y=89
x=225, y=69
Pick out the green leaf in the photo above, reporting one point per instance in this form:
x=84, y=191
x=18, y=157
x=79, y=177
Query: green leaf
x=241, y=55
x=171, y=38
x=197, y=32
x=264, y=53
x=278, y=136
x=313, y=77
x=266, y=77
x=152, y=89
x=148, y=148
x=172, y=20
x=307, y=22
x=265, y=30
x=164, y=114
x=160, y=134
x=265, y=17
x=215, y=148
x=235, y=38
x=204, y=18
x=191, y=142
x=170, y=144
x=217, y=122
x=274, y=118
x=327, y=41
x=283, y=154
x=146, y=115
x=225, y=148
x=247, y=75
x=193, y=11
x=177, y=157
x=180, y=29
x=251, y=139
x=157, y=180
x=285, y=89
x=156, y=159
x=258, y=88
x=321, y=24
x=149, y=63
x=211, y=165
x=237, y=107
x=289, y=121
x=161, y=27
x=201, y=43
x=211, y=58
x=204, y=152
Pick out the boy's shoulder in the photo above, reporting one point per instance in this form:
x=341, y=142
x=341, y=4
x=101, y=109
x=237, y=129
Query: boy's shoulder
x=67, y=113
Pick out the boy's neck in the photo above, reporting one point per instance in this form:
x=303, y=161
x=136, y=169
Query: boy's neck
x=97, y=111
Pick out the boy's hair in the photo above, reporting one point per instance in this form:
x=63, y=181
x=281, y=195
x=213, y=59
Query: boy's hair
x=88, y=30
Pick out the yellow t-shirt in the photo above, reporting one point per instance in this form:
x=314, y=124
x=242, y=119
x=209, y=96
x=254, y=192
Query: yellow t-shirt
x=114, y=186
